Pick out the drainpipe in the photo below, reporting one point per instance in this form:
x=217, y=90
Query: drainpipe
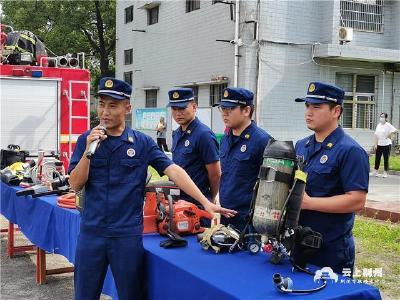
x=237, y=21
x=392, y=100
x=258, y=71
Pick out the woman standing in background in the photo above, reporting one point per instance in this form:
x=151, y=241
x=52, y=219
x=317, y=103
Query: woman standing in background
x=383, y=133
x=162, y=134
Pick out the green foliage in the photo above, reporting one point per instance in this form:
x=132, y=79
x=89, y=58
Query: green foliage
x=69, y=26
x=94, y=119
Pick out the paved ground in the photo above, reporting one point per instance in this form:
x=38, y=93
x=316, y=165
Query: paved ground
x=17, y=275
x=383, y=201
x=384, y=189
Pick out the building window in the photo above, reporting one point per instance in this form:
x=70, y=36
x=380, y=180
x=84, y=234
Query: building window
x=128, y=77
x=129, y=14
x=152, y=15
x=362, y=15
x=216, y=92
x=128, y=56
x=151, y=98
x=192, y=5
x=359, y=106
x=195, y=89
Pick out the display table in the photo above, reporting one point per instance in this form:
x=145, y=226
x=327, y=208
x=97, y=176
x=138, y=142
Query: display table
x=181, y=273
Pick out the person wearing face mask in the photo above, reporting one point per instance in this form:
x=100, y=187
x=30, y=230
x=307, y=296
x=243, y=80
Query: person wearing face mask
x=383, y=133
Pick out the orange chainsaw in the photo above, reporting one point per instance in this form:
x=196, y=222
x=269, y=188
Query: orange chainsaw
x=160, y=206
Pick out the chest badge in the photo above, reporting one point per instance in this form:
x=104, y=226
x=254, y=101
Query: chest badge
x=323, y=159
x=243, y=148
x=187, y=143
x=130, y=152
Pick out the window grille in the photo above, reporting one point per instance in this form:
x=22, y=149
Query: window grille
x=362, y=15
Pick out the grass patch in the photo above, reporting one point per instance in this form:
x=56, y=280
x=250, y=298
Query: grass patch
x=378, y=246
x=394, y=162
x=379, y=236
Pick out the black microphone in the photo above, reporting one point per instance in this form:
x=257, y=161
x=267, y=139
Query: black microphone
x=95, y=144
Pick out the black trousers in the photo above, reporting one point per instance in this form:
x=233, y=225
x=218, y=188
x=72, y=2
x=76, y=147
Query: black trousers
x=162, y=142
x=385, y=150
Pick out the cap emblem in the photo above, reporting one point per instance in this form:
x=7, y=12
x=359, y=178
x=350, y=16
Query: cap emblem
x=109, y=84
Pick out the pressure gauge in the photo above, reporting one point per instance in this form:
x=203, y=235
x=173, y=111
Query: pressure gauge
x=254, y=247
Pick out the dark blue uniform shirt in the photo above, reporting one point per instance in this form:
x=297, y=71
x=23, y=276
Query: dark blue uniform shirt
x=114, y=192
x=193, y=149
x=335, y=166
x=241, y=158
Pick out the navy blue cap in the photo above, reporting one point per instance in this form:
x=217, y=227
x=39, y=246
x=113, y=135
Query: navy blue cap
x=117, y=89
x=233, y=96
x=320, y=92
x=180, y=97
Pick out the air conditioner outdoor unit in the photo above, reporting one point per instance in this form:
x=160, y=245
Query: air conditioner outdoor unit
x=345, y=34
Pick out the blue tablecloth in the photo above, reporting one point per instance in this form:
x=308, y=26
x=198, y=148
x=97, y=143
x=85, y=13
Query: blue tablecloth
x=182, y=273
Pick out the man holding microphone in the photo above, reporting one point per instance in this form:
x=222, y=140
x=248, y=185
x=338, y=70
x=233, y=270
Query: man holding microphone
x=114, y=180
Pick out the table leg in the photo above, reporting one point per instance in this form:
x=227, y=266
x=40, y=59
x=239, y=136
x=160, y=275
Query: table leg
x=10, y=240
x=40, y=266
x=11, y=249
x=42, y=272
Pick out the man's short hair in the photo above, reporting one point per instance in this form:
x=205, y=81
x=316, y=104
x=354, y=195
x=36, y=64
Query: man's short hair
x=251, y=109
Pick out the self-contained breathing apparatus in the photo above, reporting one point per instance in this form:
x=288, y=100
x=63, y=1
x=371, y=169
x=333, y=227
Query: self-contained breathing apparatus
x=273, y=218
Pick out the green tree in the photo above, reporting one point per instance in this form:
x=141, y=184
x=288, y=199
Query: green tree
x=69, y=27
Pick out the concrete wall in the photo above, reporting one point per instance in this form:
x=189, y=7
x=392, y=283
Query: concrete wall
x=181, y=48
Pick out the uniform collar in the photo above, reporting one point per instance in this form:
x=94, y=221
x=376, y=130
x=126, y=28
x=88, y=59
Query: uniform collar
x=191, y=127
x=330, y=141
x=246, y=133
x=128, y=135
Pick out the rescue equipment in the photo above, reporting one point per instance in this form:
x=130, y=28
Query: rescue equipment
x=23, y=48
x=275, y=212
x=272, y=223
x=67, y=200
x=160, y=205
x=169, y=216
x=16, y=173
x=12, y=154
x=219, y=238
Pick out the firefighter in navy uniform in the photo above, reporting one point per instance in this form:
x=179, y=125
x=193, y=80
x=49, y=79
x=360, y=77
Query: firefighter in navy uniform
x=194, y=145
x=337, y=182
x=114, y=180
x=241, y=154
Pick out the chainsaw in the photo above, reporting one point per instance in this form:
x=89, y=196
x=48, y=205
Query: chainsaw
x=161, y=203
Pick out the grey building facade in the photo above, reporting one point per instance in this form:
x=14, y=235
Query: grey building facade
x=280, y=47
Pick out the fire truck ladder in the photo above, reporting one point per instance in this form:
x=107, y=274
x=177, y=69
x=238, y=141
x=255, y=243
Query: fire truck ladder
x=85, y=98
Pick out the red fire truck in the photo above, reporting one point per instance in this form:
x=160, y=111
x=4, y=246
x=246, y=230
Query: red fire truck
x=44, y=107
